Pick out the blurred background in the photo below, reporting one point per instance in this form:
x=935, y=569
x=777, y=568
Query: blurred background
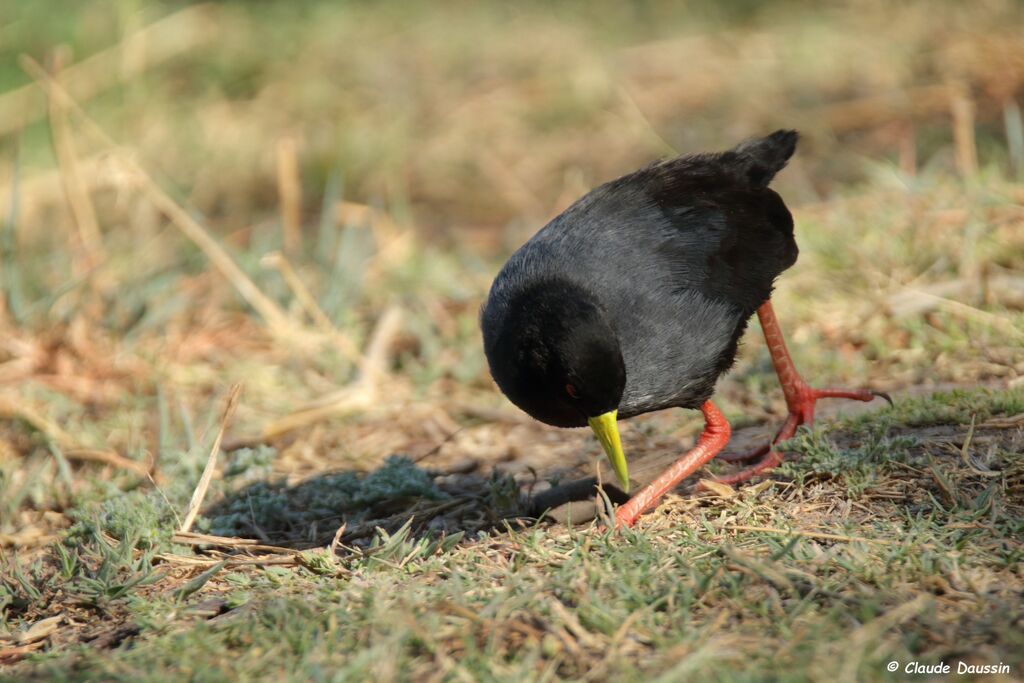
x=311, y=198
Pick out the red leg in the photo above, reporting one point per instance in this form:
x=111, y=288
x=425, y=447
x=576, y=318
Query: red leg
x=800, y=399
x=712, y=441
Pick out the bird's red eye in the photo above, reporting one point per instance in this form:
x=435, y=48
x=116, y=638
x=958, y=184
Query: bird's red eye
x=571, y=390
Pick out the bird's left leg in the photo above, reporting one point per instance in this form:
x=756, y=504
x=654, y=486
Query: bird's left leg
x=712, y=441
x=800, y=399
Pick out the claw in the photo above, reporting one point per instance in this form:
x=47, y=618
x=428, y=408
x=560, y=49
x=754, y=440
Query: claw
x=882, y=394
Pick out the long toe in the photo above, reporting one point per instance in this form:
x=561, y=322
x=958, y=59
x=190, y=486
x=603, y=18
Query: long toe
x=801, y=409
x=766, y=464
x=746, y=456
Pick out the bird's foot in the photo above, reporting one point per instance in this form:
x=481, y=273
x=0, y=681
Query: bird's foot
x=801, y=400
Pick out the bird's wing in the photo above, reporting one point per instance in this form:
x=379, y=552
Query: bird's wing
x=703, y=222
x=721, y=234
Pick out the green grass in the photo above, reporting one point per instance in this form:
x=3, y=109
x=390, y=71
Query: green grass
x=957, y=407
x=683, y=595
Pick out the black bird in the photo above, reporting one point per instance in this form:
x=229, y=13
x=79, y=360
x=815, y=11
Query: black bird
x=634, y=300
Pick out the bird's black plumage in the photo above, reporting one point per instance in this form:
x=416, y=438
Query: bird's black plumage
x=636, y=296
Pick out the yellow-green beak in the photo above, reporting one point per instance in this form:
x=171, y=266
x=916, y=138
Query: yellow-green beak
x=607, y=430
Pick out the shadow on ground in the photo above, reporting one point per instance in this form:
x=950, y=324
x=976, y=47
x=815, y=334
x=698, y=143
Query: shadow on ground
x=310, y=513
x=349, y=507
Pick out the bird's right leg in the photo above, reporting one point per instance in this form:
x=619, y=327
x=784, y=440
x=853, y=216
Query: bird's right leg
x=711, y=442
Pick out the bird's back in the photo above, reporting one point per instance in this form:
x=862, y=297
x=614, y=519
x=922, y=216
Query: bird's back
x=680, y=254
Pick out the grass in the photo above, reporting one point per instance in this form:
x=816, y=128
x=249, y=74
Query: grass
x=709, y=587
x=365, y=517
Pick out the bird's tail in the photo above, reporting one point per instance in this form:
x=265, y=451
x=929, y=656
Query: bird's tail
x=761, y=158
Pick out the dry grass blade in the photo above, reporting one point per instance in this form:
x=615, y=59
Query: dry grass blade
x=27, y=538
x=211, y=462
x=393, y=242
x=862, y=638
x=357, y=396
x=1005, y=423
x=963, y=131
x=268, y=310
x=806, y=534
x=926, y=300
x=289, y=190
x=965, y=454
x=719, y=489
x=917, y=299
x=19, y=410
x=761, y=569
x=279, y=262
x=573, y=623
x=107, y=458
x=378, y=350
x=350, y=402
x=289, y=561
x=336, y=541
x=877, y=110
x=164, y=39
x=38, y=631
x=248, y=544
x=44, y=189
x=82, y=210
x=195, y=538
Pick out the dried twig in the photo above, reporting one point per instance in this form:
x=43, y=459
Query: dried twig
x=193, y=538
x=962, y=108
x=288, y=560
x=211, y=462
x=289, y=190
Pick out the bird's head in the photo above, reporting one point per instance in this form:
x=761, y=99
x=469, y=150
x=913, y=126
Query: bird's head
x=554, y=354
